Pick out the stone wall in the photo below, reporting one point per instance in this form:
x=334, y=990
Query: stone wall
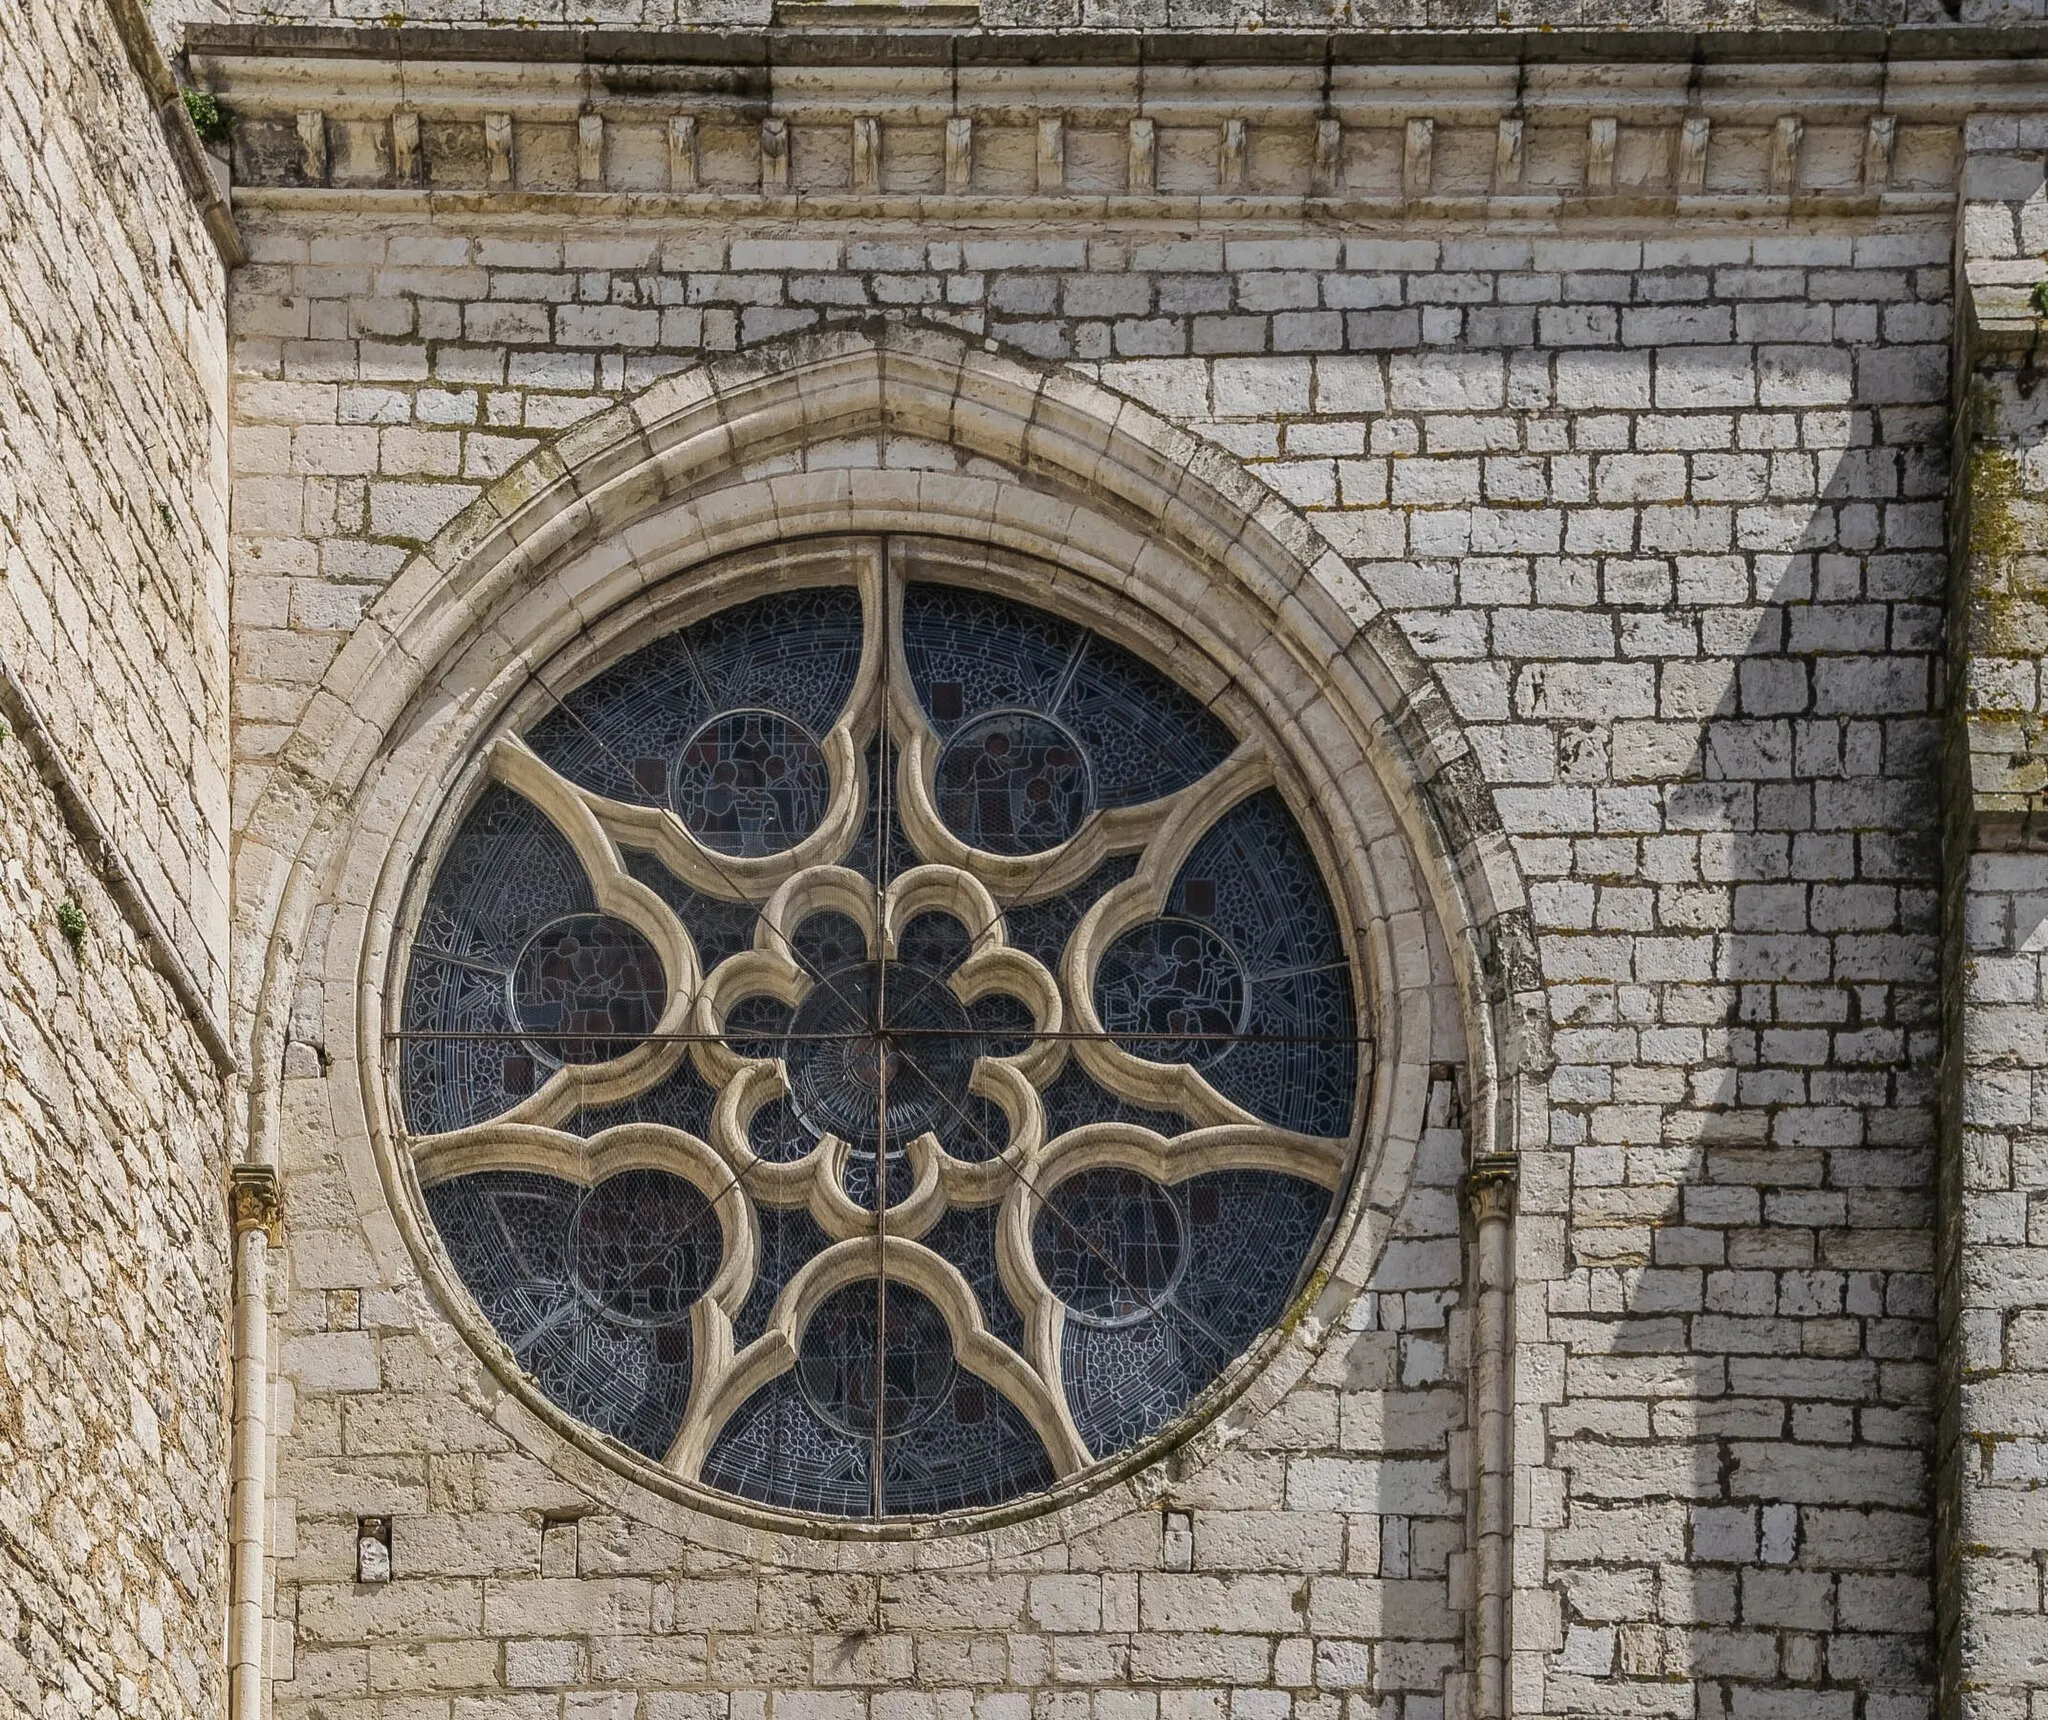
x=114, y=1294
x=113, y=490
x=1994, y=1633
x=114, y=1276
x=1663, y=513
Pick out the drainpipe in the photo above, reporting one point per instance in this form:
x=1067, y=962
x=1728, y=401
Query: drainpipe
x=258, y=1214
x=1490, y=1192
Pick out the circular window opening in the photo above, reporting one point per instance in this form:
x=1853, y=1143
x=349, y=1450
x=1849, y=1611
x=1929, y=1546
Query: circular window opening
x=922, y=1093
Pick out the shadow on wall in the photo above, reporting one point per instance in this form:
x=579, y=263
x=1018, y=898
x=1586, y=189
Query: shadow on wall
x=1743, y=956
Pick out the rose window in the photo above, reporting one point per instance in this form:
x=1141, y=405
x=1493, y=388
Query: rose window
x=879, y=1050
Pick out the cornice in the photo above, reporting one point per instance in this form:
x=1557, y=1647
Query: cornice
x=969, y=125
x=909, y=43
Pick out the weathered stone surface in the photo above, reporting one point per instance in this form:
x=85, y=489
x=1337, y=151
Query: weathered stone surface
x=1627, y=432
x=113, y=486
x=114, y=1269
x=114, y=1297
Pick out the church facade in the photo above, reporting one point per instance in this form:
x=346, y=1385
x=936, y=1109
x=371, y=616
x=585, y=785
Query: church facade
x=1062, y=862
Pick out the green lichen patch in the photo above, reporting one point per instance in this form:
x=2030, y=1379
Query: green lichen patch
x=1994, y=488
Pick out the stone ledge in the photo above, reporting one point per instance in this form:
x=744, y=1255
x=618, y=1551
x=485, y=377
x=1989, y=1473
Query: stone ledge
x=1560, y=136
x=908, y=43
x=1280, y=216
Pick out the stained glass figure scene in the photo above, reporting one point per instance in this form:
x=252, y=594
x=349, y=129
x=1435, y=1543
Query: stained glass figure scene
x=1015, y=1146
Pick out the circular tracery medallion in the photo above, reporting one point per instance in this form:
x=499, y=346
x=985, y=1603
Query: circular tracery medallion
x=879, y=1051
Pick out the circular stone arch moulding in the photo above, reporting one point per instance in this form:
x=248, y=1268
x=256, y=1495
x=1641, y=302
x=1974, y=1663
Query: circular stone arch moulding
x=663, y=555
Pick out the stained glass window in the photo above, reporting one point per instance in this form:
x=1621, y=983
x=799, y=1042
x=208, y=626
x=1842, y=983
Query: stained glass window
x=880, y=1050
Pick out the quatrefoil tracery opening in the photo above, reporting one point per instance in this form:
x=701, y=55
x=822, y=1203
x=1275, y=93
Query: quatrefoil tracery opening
x=879, y=1050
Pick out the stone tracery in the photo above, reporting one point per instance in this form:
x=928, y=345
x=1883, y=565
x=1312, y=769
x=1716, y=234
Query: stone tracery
x=942, y=1008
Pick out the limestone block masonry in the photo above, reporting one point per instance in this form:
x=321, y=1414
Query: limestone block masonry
x=1612, y=462
x=114, y=1295
x=1613, y=400
x=114, y=1271
x=1996, y=893
x=113, y=492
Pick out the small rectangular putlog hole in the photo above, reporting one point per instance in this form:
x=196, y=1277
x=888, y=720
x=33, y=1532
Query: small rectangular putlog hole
x=373, y=1549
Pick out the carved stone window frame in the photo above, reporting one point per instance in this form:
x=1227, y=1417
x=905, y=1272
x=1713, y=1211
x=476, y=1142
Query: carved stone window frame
x=1164, y=542
x=878, y=565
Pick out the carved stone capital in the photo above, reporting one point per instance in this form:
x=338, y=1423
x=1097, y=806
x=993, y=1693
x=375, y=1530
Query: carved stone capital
x=1490, y=1188
x=254, y=1201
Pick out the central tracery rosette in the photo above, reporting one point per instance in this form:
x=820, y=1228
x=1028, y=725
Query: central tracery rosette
x=879, y=1049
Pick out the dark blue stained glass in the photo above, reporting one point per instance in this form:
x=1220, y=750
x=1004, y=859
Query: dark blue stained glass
x=1173, y=992
x=1249, y=1235
x=876, y=1051
x=755, y=1026
x=777, y=1134
x=978, y=1450
x=1243, y=975
x=860, y=857
x=508, y=874
x=718, y=928
x=750, y=782
x=1013, y=782
x=1041, y=929
x=1074, y=1097
x=1075, y=721
x=933, y=944
x=777, y=1450
x=723, y=722
x=1272, y=952
x=859, y=1178
x=587, y=988
x=827, y=941
x=805, y=1441
x=789, y=1237
x=589, y=1289
x=1124, y=1383
x=977, y=1131
x=1110, y=1244
x=966, y=1237
x=861, y=1351
x=453, y=1083
x=1195, y=1292
x=1004, y=1022
x=681, y=1099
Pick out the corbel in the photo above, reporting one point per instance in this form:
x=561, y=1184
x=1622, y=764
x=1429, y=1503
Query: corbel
x=1786, y=138
x=682, y=153
x=1230, y=162
x=1418, y=151
x=1693, y=138
x=1602, y=135
x=408, y=165
x=1143, y=176
x=959, y=155
x=498, y=148
x=1052, y=156
x=1507, y=156
x=1326, y=168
